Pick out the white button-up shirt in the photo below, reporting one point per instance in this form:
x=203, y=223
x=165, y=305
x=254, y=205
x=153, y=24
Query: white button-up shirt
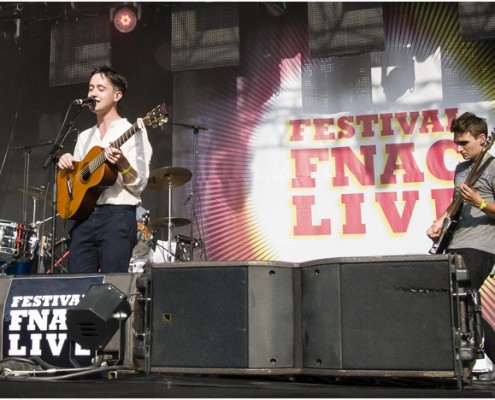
x=137, y=149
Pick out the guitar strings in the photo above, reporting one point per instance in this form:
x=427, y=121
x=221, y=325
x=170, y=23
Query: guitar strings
x=100, y=158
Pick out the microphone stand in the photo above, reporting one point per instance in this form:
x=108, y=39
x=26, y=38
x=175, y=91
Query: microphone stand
x=195, y=129
x=53, y=159
x=27, y=158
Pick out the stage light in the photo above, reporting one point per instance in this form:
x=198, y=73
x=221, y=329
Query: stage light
x=125, y=18
x=98, y=316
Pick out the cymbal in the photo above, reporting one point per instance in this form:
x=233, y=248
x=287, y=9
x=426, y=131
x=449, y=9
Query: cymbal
x=162, y=178
x=175, y=222
x=39, y=193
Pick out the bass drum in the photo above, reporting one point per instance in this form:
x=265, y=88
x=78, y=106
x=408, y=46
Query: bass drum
x=16, y=268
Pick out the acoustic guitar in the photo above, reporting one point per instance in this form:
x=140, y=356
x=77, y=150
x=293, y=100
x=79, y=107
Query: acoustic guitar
x=79, y=189
x=455, y=208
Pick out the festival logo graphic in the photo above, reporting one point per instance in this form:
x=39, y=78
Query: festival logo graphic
x=34, y=322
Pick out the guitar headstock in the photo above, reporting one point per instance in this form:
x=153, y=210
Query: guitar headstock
x=490, y=139
x=156, y=117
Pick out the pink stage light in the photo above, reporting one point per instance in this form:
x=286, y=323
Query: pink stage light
x=125, y=19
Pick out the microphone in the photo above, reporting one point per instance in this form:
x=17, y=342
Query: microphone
x=90, y=101
x=188, y=199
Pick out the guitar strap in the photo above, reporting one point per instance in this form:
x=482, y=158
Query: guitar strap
x=482, y=168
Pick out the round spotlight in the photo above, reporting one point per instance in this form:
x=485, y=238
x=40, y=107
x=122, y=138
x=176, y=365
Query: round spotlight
x=125, y=19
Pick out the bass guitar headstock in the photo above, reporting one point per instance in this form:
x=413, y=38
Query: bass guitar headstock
x=490, y=139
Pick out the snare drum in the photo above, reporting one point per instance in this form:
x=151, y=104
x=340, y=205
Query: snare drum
x=17, y=240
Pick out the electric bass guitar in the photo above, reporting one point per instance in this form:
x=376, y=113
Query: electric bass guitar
x=79, y=189
x=455, y=208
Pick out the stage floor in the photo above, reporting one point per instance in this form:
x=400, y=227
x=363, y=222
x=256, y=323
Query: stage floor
x=173, y=386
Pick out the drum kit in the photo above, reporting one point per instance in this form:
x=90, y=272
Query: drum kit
x=166, y=178
x=20, y=244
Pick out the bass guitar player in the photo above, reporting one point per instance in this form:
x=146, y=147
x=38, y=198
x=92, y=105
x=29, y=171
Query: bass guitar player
x=472, y=235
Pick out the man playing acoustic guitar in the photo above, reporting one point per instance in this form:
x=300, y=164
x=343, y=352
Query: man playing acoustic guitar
x=103, y=240
x=473, y=234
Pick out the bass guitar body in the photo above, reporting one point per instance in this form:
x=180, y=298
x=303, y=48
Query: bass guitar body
x=79, y=189
x=448, y=228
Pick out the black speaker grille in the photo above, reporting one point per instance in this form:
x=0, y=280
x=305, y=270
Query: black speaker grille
x=205, y=36
x=344, y=28
x=477, y=20
x=75, y=49
x=397, y=316
x=199, y=318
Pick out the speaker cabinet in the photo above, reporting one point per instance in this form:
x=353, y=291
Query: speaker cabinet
x=381, y=315
x=223, y=317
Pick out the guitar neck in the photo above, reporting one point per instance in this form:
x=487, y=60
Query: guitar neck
x=455, y=206
x=126, y=136
x=99, y=160
x=476, y=165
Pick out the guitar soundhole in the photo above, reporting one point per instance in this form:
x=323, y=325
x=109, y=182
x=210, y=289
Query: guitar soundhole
x=85, y=173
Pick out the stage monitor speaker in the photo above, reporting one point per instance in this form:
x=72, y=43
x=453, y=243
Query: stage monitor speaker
x=223, y=316
x=381, y=316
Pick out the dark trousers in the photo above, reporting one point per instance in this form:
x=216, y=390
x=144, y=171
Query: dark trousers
x=104, y=241
x=480, y=264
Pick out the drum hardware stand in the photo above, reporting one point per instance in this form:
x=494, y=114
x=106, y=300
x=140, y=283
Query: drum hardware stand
x=166, y=249
x=42, y=244
x=170, y=226
x=27, y=158
x=27, y=161
x=25, y=187
x=53, y=159
x=174, y=177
